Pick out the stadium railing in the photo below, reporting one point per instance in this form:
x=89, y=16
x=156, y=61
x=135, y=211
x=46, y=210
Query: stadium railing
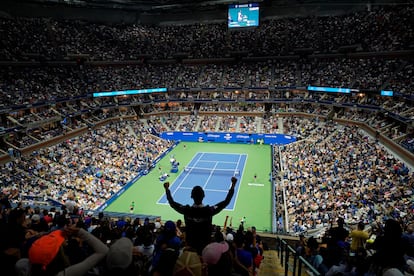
x=291, y=262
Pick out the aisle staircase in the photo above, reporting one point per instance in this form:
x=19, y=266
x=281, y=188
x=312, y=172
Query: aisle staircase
x=271, y=264
x=280, y=258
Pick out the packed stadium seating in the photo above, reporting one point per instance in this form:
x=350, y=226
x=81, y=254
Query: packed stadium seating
x=60, y=144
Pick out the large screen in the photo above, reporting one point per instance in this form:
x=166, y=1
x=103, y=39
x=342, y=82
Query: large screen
x=329, y=89
x=388, y=93
x=245, y=15
x=129, y=92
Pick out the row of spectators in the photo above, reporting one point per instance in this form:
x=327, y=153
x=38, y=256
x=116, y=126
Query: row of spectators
x=36, y=84
x=385, y=249
x=33, y=241
x=382, y=29
x=163, y=119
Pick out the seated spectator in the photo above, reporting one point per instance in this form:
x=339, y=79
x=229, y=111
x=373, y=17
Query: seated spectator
x=119, y=260
x=39, y=224
x=316, y=259
x=145, y=243
x=167, y=247
x=189, y=263
x=408, y=238
x=218, y=258
x=243, y=256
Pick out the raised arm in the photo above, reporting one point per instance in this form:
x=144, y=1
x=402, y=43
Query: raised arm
x=221, y=205
x=175, y=205
x=99, y=248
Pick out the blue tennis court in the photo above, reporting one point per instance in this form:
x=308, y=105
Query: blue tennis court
x=213, y=172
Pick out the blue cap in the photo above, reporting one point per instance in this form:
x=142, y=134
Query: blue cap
x=169, y=226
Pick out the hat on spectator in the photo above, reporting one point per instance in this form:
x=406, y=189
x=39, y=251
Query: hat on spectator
x=188, y=264
x=410, y=264
x=393, y=272
x=22, y=267
x=35, y=217
x=120, y=254
x=229, y=237
x=169, y=226
x=213, y=251
x=44, y=249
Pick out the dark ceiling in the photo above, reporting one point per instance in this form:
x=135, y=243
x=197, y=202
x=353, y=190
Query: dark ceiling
x=165, y=5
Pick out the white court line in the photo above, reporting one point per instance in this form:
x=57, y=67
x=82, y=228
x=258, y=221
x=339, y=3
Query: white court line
x=179, y=185
x=239, y=182
x=184, y=178
x=255, y=184
x=213, y=190
x=199, y=160
x=211, y=174
x=237, y=166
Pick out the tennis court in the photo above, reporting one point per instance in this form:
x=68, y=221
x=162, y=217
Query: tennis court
x=252, y=199
x=213, y=172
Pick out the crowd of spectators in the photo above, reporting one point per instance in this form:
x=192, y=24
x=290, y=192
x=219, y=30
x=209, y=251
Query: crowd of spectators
x=333, y=172
x=97, y=244
x=91, y=167
x=187, y=123
x=381, y=29
x=384, y=249
x=70, y=116
x=40, y=84
x=350, y=201
x=360, y=182
x=323, y=180
x=301, y=128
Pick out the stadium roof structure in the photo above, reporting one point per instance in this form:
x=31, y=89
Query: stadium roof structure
x=160, y=5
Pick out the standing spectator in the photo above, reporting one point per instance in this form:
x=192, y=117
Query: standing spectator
x=390, y=247
x=336, y=242
x=132, y=207
x=198, y=217
x=359, y=237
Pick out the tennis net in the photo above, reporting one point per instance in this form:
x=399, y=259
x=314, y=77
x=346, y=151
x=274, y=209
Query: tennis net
x=212, y=171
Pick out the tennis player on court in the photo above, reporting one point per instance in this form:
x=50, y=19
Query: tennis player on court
x=198, y=217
